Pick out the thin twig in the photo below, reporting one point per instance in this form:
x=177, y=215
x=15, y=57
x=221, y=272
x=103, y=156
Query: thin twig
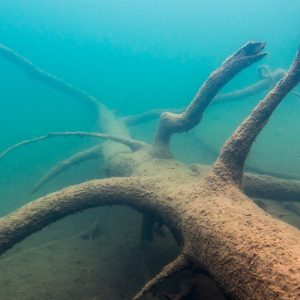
x=132, y=144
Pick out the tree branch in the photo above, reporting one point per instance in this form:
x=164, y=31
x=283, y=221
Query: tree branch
x=174, y=123
x=267, y=81
x=32, y=217
x=214, y=152
x=230, y=163
x=264, y=84
x=88, y=154
x=269, y=187
x=261, y=185
x=134, y=145
x=65, y=87
x=47, y=78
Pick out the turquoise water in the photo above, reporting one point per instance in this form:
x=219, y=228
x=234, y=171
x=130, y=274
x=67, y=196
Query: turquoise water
x=136, y=55
x=146, y=54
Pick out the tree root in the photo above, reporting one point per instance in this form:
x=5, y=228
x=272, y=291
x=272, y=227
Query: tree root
x=231, y=161
x=262, y=85
x=134, y=145
x=213, y=153
x=268, y=187
x=249, y=254
x=35, y=215
x=174, y=123
x=88, y=154
x=262, y=186
x=180, y=263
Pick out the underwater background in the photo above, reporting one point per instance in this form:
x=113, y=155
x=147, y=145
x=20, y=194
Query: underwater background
x=134, y=56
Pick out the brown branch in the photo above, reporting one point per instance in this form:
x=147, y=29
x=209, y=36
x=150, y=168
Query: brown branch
x=261, y=186
x=268, y=187
x=174, y=123
x=132, y=144
x=106, y=119
x=88, y=154
x=133, y=191
x=58, y=84
x=230, y=163
x=263, y=84
x=179, y=264
x=47, y=78
x=248, y=253
x=214, y=152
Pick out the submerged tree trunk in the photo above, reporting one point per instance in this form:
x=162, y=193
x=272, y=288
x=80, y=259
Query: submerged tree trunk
x=221, y=231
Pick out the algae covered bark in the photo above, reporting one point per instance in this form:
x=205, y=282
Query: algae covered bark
x=222, y=231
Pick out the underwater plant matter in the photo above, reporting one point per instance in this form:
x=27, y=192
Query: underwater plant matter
x=222, y=231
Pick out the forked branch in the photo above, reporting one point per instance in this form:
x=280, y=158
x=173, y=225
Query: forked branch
x=173, y=123
x=233, y=155
x=134, y=145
